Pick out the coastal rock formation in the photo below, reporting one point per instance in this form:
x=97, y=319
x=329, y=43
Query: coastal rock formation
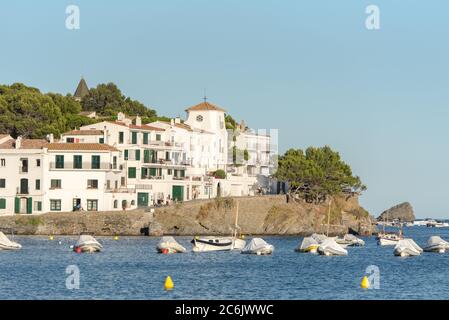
x=264, y=215
x=402, y=212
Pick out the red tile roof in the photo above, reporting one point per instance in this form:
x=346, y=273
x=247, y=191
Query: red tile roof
x=205, y=106
x=25, y=144
x=80, y=147
x=87, y=132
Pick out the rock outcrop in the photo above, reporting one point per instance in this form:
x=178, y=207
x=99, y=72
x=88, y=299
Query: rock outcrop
x=402, y=212
x=264, y=215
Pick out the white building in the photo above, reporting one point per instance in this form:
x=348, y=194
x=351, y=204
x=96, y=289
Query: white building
x=112, y=165
x=39, y=176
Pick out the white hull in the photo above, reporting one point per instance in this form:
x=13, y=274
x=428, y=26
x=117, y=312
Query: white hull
x=87, y=243
x=258, y=246
x=388, y=242
x=217, y=244
x=169, y=245
x=330, y=248
x=11, y=247
x=90, y=248
x=6, y=244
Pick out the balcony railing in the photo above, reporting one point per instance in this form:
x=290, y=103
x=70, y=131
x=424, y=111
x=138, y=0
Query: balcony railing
x=23, y=169
x=121, y=190
x=22, y=190
x=85, y=166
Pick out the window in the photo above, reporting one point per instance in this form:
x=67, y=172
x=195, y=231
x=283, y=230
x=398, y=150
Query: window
x=169, y=172
x=77, y=162
x=95, y=162
x=121, y=137
x=2, y=183
x=167, y=156
x=37, y=206
x=146, y=156
x=122, y=181
x=131, y=172
x=126, y=154
x=101, y=140
x=24, y=167
x=38, y=162
x=2, y=203
x=134, y=137
x=133, y=202
x=70, y=140
x=38, y=184
x=2, y=162
x=138, y=155
x=55, y=205
x=145, y=138
x=55, y=184
x=59, y=162
x=92, y=205
x=115, y=204
x=199, y=118
x=92, y=184
x=158, y=137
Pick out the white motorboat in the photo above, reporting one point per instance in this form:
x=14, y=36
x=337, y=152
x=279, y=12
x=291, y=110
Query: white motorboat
x=319, y=237
x=407, y=248
x=389, y=239
x=441, y=225
x=308, y=244
x=169, y=245
x=331, y=248
x=87, y=243
x=258, y=246
x=436, y=244
x=6, y=244
x=350, y=240
x=205, y=244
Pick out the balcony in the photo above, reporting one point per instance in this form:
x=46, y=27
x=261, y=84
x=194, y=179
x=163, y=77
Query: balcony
x=23, y=169
x=121, y=190
x=22, y=191
x=85, y=166
x=162, y=163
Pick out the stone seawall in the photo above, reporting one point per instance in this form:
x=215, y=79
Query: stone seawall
x=264, y=215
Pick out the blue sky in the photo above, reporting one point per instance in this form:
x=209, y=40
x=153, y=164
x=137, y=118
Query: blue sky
x=309, y=68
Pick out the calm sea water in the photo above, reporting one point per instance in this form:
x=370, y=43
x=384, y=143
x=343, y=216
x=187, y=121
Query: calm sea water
x=130, y=268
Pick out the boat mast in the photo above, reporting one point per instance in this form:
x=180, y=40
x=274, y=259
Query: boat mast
x=328, y=217
x=236, y=218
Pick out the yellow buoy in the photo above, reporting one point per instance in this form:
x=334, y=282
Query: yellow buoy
x=51, y=238
x=168, y=284
x=242, y=236
x=365, y=283
x=116, y=238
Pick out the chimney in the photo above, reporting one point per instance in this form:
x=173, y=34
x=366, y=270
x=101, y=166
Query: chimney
x=178, y=120
x=50, y=138
x=18, y=142
x=120, y=116
x=138, y=121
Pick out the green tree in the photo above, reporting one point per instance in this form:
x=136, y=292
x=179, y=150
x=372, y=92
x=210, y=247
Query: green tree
x=108, y=100
x=316, y=174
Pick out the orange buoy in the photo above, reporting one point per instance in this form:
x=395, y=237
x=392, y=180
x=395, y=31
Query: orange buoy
x=77, y=249
x=165, y=251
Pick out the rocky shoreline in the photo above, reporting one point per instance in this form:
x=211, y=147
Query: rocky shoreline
x=262, y=215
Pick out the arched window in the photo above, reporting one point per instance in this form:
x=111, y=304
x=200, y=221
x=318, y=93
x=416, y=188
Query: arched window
x=115, y=204
x=133, y=202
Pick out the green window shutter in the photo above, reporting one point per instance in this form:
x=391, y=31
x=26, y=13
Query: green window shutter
x=60, y=162
x=77, y=162
x=126, y=154
x=138, y=155
x=95, y=162
x=145, y=138
x=183, y=173
x=158, y=137
x=16, y=205
x=131, y=172
x=153, y=172
x=134, y=137
x=146, y=156
x=38, y=184
x=101, y=140
x=121, y=137
x=30, y=205
x=2, y=203
x=142, y=172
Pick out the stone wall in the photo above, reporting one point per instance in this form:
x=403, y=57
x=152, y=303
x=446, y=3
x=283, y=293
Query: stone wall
x=269, y=215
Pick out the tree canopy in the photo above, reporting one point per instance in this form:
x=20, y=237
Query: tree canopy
x=30, y=113
x=316, y=174
x=108, y=100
